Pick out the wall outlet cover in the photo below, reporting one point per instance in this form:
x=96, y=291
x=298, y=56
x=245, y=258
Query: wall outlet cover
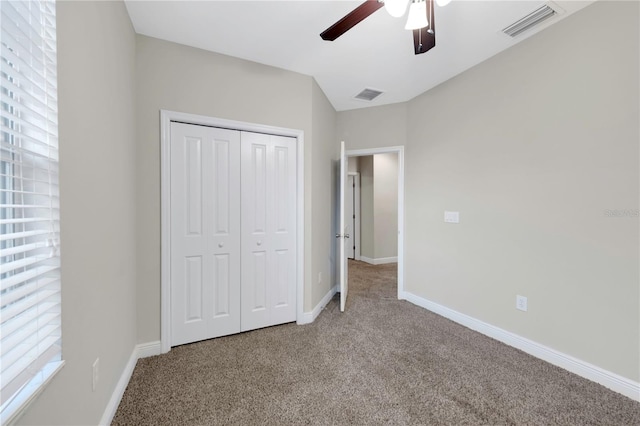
x=521, y=303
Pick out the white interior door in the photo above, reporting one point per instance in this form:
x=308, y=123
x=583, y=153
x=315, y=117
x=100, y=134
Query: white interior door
x=268, y=294
x=350, y=212
x=353, y=215
x=205, y=232
x=355, y=234
x=342, y=235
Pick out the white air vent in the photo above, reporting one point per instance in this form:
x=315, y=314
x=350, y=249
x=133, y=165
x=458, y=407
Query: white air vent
x=531, y=20
x=368, y=94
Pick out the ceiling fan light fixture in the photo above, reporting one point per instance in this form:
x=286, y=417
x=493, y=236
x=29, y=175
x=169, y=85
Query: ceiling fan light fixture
x=442, y=3
x=417, y=15
x=396, y=8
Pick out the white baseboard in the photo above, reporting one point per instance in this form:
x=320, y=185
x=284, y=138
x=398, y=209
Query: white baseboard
x=584, y=369
x=116, y=396
x=148, y=349
x=141, y=350
x=310, y=317
x=379, y=260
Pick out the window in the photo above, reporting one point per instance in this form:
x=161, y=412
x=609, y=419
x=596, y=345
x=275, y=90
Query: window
x=30, y=331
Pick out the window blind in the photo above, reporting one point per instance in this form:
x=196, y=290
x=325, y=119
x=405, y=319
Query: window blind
x=30, y=331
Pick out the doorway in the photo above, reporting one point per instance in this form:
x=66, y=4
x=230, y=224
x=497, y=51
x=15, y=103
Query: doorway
x=346, y=156
x=378, y=212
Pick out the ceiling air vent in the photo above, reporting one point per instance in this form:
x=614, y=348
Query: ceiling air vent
x=531, y=20
x=368, y=94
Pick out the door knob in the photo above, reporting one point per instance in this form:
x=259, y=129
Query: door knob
x=220, y=245
x=259, y=243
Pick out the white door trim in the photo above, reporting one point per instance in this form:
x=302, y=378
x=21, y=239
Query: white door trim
x=166, y=117
x=400, y=151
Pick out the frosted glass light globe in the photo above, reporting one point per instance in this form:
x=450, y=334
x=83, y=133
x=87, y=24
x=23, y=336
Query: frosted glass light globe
x=417, y=16
x=396, y=8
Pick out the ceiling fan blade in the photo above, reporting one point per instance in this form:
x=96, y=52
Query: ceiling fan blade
x=424, y=39
x=351, y=19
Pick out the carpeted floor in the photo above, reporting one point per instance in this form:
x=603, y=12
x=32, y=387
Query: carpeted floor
x=382, y=361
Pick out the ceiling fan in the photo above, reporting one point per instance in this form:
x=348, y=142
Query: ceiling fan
x=420, y=20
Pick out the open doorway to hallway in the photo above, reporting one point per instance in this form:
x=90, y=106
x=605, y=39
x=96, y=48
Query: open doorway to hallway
x=372, y=208
x=372, y=205
x=366, y=237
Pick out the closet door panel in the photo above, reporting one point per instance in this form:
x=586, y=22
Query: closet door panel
x=283, y=297
x=256, y=257
x=222, y=286
x=224, y=242
x=188, y=322
x=193, y=289
x=268, y=230
x=205, y=233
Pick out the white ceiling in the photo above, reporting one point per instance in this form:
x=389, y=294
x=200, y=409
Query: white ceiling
x=377, y=53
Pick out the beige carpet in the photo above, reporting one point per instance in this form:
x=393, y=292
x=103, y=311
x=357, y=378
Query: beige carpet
x=383, y=361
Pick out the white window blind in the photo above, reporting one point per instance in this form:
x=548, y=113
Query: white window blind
x=30, y=329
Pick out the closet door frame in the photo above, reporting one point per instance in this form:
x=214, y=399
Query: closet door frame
x=166, y=117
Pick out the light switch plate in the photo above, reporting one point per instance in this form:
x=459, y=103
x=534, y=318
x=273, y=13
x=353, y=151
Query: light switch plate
x=452, y=217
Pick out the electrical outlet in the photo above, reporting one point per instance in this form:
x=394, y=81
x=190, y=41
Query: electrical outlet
x=96, y=366
x=521, y=303
x=319, y=277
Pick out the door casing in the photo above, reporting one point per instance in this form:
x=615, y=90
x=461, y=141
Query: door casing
x=166, y=117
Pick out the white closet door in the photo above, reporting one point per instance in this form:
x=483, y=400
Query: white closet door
x=268, y=230
x=205, y=233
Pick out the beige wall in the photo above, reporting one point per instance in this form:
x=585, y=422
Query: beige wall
x=179, y=78
x=353, y=165
x=378, y=205
x=96, y=60
x=323, y=200
x=373, y=127
x=532, y=147
x=385, y=205
x=367, y=218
